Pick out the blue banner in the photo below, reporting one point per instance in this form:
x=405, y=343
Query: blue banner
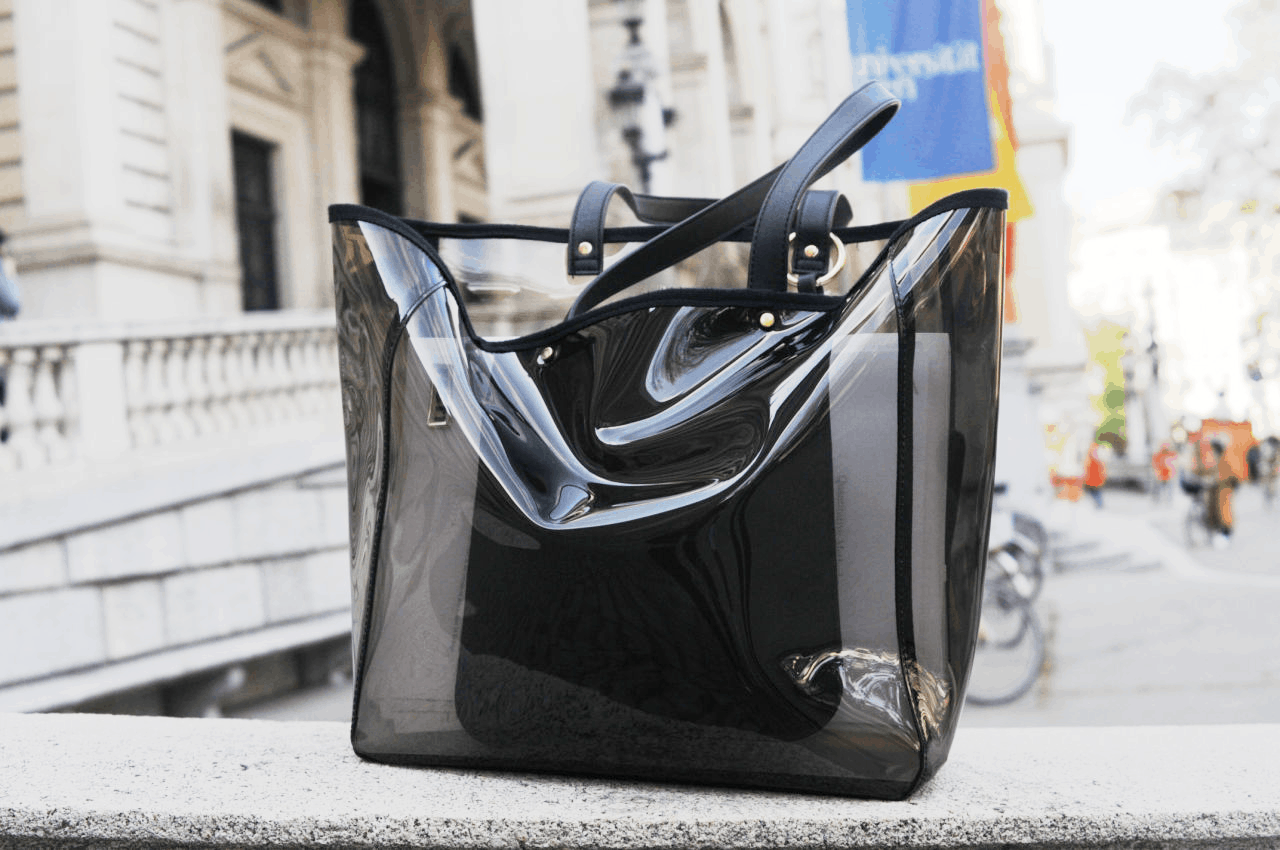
x=929, y=53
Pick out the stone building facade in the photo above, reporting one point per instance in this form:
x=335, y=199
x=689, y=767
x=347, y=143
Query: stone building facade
x=169, y=433
x=174, y=158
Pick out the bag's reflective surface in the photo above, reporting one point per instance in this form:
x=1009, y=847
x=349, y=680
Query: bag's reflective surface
x=670, y=543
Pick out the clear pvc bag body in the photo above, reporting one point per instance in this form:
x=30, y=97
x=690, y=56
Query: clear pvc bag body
x=666, y=542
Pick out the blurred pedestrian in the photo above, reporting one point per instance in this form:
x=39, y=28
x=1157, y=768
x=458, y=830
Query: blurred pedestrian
x=10, y=304
x=1163, y=464
x=1252, y=456
x=1095, y=475
x=1215, y=470
x=1269, y=467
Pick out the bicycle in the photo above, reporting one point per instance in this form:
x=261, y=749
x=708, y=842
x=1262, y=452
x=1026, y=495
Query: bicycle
x=1195, y=526
x=1011, y=645
x=1030, y=546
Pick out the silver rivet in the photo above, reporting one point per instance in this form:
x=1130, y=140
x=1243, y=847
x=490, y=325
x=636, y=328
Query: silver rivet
x=811, y=251
x=767, y=320
x=546, y=354
x=585, y=249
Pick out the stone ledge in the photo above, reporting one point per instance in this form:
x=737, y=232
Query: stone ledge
x=87, y=780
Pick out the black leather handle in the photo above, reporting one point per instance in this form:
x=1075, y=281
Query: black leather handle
x=847, y=129
x=586, y=227
x=851, y=126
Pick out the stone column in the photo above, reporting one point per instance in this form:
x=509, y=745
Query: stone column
x=535, y=76
x=125, y=164
x=70, y=156
x=330, y=61
x=426, y=113
x=435, y=116
x=700, y=141
x=204, y=202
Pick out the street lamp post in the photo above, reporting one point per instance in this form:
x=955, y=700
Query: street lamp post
x=635, y=101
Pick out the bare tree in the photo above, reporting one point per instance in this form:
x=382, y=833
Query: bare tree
x=1229, y=121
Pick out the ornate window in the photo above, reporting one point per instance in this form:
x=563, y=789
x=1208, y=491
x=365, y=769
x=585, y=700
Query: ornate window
x=377, y=122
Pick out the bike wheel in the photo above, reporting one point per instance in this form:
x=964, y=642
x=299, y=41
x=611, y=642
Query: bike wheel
x=1010, y=652
x=1031, y=568
x=1196, y=525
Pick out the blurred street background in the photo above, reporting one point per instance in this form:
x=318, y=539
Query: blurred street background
x=173, y=516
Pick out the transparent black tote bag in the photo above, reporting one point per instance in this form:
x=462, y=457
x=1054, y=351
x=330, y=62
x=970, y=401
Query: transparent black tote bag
x=727, y=534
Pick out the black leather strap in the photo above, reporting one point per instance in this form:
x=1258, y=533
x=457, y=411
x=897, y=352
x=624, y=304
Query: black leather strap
x=769, y=200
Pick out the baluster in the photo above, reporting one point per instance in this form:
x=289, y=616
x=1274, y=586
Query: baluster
x=136, y=396
x=252, y=363
x=8, y=458
x=19, y=385
x=68, y=395
x=178, y=396
x=300, y=372
x=313, y=370
x=292, y=378
x=281, y=380
x=158, y=404
x=331, y=356
x=50, y=414
x=215, y=358
x=197, y=384
x=274, y=375
x=237, y=382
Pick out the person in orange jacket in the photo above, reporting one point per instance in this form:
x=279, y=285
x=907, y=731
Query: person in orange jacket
x=1162, y=465
x=1095, y=475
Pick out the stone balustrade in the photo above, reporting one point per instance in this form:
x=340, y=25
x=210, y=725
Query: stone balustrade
x=99, y=390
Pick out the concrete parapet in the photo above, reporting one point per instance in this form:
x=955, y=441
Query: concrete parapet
x=89, y=780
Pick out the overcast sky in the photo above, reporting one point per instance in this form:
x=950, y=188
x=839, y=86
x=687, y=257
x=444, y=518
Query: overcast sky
x=1104, y=51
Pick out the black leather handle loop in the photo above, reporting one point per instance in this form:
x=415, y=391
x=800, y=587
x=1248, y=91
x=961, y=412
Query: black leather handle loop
x=586, y=228
x=848, y=128
x=819, y=212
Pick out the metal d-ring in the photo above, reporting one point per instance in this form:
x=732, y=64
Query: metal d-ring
x=832, y=271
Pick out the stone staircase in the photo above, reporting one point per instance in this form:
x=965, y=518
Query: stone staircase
x=1085, y=538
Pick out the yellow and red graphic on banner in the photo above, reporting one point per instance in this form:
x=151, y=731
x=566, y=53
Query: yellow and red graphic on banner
x=1003, y=139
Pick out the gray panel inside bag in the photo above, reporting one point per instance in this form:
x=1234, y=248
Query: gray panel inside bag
x=864, y=431
x=414, y=637
x=932, y=432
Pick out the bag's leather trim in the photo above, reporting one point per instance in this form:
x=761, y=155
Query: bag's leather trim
x=761, y=299
x=435, y=231
x=903, y=514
